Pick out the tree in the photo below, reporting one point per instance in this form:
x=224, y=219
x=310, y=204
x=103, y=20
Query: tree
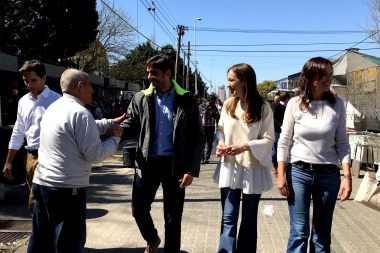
x=132, y=68
x=373, y=26
x=115, y=38
x=265, y=87
x=93, y=60
x=48, y=30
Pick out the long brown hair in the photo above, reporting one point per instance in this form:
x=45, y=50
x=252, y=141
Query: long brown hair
x=253, y=101
x=314, y=69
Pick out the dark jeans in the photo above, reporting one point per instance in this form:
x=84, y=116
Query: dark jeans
x=323, y=186
x=274, y=149
x=58, y=215
x=145, y=186
x=209, y=133
x=247, y=239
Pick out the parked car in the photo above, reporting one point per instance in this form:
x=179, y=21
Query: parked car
x=270, y=95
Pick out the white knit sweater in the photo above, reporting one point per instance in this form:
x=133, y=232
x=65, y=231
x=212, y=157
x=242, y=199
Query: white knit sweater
x=318, y=136
x=258, y=135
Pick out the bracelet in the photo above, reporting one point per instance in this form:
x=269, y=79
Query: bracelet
x=245, y=146
x=347, y=176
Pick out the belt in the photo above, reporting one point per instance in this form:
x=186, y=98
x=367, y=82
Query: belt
x=162, y=157
x=317, y=167
x=32, y=151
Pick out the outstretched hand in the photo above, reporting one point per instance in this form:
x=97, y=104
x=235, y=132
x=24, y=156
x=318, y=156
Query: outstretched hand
x=120, y=119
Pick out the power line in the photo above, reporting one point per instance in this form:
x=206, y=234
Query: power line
x=127, y=22
x=276, y=51
x=283, y=44
x=372, y=33
x=163, y=27
x=176, y=22
x=206, y=29
x=173, y=26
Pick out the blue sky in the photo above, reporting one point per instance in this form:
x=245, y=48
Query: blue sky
x=258, y=15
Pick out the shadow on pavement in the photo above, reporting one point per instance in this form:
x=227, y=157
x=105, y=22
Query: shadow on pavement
x=93, y=213
x=123, y=250
x=108, y=166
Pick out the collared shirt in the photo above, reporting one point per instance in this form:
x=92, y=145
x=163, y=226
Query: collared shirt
x=29, y=115
x=163, y=139
x=206, y=114
x=282, y=103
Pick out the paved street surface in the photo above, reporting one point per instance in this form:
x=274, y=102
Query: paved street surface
x=111, y=227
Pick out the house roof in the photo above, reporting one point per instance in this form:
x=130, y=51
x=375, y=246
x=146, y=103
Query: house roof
x=351, y=61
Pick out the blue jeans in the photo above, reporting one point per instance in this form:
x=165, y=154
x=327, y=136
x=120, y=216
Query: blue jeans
x=274, y=149
x=323, y=186
x=247, y=239
x=58, y=215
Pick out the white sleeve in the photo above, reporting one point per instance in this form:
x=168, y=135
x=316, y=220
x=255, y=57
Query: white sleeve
x=103, y=124
x=261, y=147
x=18, y=134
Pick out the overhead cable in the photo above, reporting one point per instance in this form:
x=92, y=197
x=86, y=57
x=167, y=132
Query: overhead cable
x=275, y=51
x=283, y=44
x=128, y=23
x=205, y=29
x=372, y=34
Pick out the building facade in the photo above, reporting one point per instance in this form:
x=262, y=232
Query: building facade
x=222, y=93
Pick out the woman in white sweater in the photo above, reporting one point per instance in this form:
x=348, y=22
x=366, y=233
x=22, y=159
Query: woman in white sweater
x=245, y=136
x=314, y=142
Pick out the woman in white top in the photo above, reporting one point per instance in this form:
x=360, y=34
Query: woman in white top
x=245, y=137
x=314, y=140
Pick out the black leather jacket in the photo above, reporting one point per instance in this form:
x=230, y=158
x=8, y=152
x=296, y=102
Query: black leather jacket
x=188, y=136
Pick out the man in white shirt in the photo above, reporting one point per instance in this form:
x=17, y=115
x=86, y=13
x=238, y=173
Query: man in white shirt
x=70, y=144
x=31, y=107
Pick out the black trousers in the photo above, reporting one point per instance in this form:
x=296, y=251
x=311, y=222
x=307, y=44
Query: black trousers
x=209, y=132
x=145, y=185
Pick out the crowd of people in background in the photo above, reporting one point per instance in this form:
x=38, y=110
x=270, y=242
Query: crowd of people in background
x=110, y=108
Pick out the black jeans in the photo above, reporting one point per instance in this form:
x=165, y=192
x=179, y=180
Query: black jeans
x=209, y=132
x=145, y=186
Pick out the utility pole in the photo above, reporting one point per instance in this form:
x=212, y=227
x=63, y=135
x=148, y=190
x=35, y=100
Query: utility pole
x=183, y=69
x=188, y=66
x=180, y=32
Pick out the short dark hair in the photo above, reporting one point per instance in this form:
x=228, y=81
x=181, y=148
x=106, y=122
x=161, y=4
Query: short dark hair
x=284, y=96
x=162, y=62
x=212, y=97
x=33, y=65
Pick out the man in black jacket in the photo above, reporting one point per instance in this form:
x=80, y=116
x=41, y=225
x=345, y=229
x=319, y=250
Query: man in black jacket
x=169, y=150
x=278, y=114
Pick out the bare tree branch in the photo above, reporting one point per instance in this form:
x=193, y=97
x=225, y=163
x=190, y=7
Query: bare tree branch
x=115, y=38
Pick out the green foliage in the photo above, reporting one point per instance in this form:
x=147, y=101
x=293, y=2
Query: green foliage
x=265, y=87
x=132, y=69
x=48, y=30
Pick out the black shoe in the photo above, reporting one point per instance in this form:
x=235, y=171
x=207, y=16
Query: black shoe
x=202, y=161
x=207, y=161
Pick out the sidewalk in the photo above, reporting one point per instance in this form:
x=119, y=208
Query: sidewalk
x=112, y=229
